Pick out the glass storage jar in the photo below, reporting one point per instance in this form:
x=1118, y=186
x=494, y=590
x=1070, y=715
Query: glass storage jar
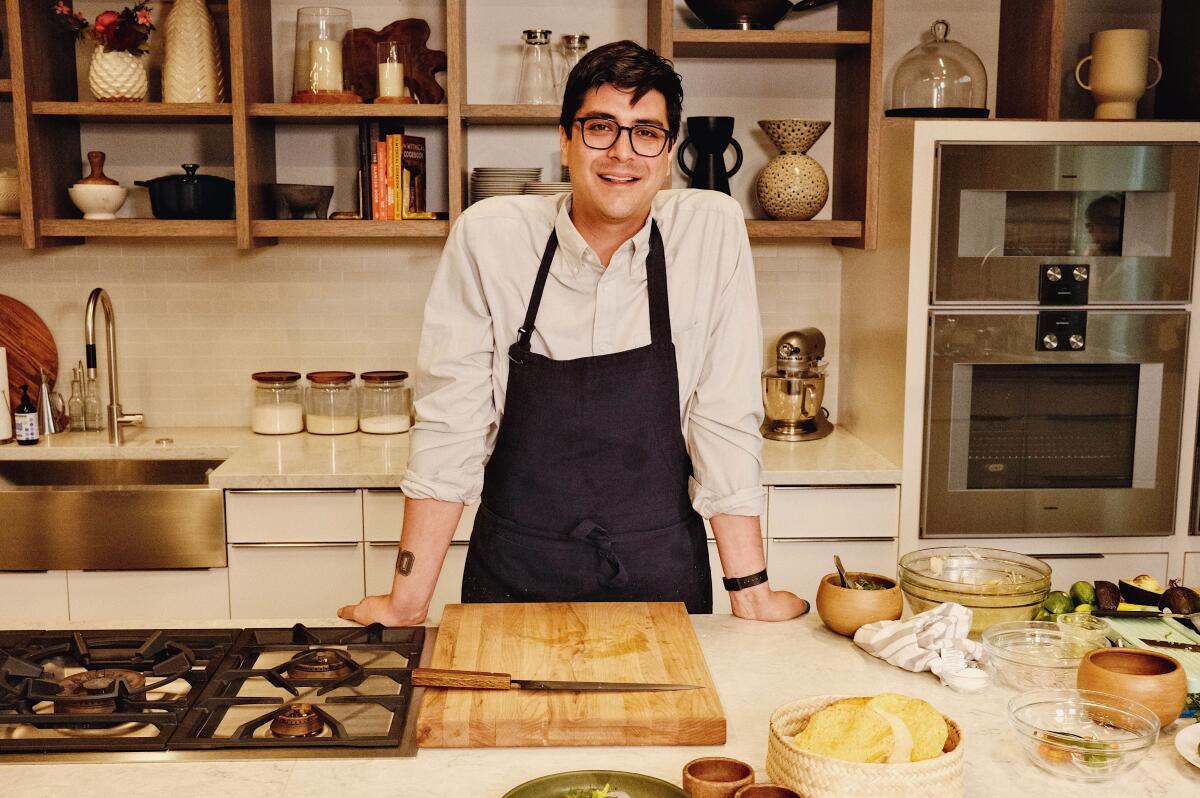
x=278, y=407
x=385, y=405
x=331, y=403
x=939, y=78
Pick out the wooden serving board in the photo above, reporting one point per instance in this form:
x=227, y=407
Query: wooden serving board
x=30, y=346
x=628, y=642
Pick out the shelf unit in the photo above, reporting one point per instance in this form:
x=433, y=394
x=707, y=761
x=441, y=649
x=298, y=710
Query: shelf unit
x=47, y=119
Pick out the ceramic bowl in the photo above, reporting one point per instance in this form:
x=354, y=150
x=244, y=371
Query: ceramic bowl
x=844, y=609
x=765, y=791
x=10, y=200
x=98, y=202
x=1147, y=677
x=716, y=777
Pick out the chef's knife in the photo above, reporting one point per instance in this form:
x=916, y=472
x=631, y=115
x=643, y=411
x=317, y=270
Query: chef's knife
x=1143, y=614
x=478, y=680
x=1172, y=644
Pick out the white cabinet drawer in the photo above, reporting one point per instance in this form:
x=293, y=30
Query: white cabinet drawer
x=32, y=597
x=796, y=564
x=149, y=595
x=381, y=564
x=304, y=580
x=841, y=512
x=1072, y=567
x=383, y=516
x=293, y=516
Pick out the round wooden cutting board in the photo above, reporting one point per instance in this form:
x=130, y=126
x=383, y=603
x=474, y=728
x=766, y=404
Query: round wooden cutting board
x=30, y=346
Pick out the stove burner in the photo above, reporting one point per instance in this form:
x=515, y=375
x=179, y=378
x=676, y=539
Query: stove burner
x=298, y=720
x=321, y=663
x=95, y=692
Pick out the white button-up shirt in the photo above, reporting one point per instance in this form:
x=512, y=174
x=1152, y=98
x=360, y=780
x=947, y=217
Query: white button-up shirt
x=478, y=301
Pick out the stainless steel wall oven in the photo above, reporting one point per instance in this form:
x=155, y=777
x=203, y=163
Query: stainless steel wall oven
x=1055, y=378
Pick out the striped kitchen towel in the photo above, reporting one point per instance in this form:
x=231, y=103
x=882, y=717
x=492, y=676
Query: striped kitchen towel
x=918, y=643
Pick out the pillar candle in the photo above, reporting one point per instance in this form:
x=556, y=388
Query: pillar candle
x=325, y=65
x=391, y=79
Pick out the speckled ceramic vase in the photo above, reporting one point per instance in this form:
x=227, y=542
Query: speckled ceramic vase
x=117, y=76
x=792, y=186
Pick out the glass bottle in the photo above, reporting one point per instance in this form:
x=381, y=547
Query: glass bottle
x=385, y=402
x=574, y=45
x=539, y=78
x=26, y=419
x=75, y=404
x=93, y=419
x=331, y=403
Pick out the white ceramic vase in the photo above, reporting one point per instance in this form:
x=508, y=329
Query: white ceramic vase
x=192, y=66
x=117, y=76
x=792, y=186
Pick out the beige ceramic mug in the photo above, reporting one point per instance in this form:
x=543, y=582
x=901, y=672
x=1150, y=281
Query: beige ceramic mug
x=1118, y=74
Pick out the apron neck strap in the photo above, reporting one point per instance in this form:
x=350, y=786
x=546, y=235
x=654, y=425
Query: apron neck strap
x=656, y=286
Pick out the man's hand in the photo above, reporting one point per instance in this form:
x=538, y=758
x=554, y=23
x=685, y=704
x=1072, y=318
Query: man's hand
x=379, y=609
x=761, y=603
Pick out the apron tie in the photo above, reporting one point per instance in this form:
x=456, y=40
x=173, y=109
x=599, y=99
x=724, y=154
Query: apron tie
x=597, y=537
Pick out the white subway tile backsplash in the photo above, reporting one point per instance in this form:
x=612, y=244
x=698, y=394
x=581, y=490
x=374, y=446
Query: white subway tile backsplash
x=196, y=318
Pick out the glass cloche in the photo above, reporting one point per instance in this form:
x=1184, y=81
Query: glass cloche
x=939, y=78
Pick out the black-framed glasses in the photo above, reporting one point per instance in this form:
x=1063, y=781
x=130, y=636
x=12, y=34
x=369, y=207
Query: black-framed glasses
x=600, y=133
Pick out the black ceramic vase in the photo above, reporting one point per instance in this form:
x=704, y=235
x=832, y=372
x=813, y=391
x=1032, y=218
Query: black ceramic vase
x=709, y=136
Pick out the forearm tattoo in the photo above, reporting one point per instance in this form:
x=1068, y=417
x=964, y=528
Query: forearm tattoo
x=404, y=562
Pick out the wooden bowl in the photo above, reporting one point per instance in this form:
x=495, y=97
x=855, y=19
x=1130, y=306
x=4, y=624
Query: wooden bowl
x=766, y=791
x=716, y=777
x=844, y=609
x=1148, y=677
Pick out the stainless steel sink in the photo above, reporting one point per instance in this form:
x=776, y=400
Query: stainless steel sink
x=118, y=514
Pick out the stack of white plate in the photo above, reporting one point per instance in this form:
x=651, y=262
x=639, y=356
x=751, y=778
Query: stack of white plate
x=547, y=188
x=495, y=181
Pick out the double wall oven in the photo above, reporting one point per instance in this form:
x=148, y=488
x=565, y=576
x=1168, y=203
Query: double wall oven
x=1058, y=338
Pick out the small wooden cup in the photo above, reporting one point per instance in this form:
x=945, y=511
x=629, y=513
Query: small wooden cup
x=1150, y=678
x=845, y=609
x=716, y=777
x=766, y=791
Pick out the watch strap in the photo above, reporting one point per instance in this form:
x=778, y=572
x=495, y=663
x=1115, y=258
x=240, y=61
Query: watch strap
x=743, y=582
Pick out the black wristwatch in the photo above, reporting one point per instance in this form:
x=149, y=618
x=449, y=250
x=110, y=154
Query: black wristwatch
x=743, y=582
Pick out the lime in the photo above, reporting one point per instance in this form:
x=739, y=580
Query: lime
x=1083, y=593
x=1083, y=608
x=1042, y=615
x=1058, y=602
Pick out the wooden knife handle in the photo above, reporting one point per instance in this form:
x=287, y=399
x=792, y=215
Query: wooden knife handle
x=474, y=680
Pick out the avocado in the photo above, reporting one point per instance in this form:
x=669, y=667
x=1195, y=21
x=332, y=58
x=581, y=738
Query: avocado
x=1107, y=596
x=1141, y=590
x=1181, y=600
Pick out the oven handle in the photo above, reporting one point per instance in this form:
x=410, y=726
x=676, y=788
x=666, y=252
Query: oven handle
x=330, y=545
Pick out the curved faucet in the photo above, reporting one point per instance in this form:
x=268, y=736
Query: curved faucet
x=115, y=417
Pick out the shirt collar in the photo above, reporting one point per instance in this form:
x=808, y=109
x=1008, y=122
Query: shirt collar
x=578, y=253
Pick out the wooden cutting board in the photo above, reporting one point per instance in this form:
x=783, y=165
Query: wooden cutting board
x=29, y=344
x=629, y=642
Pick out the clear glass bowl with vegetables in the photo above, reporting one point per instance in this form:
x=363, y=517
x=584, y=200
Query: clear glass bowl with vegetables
x=1080, y=734
x=996, y=585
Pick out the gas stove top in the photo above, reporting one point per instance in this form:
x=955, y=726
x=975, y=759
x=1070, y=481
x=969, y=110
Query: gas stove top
x=184, y=693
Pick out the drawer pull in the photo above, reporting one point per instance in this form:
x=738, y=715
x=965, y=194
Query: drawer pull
x=1070, y=556
x=834, y=540
x=380, y=544
x=291, y=491
x=294, y=545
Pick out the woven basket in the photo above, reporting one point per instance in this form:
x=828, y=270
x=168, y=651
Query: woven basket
x=816, y=776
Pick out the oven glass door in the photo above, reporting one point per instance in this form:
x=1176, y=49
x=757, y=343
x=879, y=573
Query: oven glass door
x=1005, y=212
x=1022, y=441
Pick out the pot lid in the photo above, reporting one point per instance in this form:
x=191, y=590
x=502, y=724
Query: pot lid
x=275, y=376
x=330, y=377
x=384, y=376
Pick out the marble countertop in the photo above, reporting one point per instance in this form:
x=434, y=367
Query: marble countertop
x=359, y=460
x=755, y=666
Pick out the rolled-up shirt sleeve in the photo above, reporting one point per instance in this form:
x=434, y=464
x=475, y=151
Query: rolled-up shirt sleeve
x=726, y=410
x=455, y=405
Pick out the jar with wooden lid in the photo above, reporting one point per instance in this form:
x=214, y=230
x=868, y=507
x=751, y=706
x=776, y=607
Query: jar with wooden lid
x=385, y=403
x=331, y=403
x=278, y=406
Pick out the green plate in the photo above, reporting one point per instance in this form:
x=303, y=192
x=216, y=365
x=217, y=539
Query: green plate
x=558, y=784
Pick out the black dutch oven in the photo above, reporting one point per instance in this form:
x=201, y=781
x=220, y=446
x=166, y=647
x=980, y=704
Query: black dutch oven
x=190, y=196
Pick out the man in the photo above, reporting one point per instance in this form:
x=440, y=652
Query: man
x=606, y=347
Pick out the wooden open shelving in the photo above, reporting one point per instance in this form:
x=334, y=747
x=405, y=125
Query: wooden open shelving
x=47, y=118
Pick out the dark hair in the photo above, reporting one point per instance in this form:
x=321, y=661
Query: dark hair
x=625, y=65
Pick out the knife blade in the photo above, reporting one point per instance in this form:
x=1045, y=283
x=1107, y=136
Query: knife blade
x=1099, y=613
x=481, y=680
x=1172, y=644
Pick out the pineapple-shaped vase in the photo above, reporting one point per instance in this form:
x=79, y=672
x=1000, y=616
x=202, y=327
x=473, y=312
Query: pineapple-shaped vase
x=792, y=186
x=192, y=67
x=117, y=76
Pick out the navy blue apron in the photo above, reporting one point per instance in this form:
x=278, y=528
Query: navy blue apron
x=585, y=497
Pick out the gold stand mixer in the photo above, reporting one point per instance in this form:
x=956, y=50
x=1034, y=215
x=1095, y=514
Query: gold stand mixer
x=794, y=389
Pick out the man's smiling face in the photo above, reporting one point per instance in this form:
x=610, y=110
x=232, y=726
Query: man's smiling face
x=617, y=184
